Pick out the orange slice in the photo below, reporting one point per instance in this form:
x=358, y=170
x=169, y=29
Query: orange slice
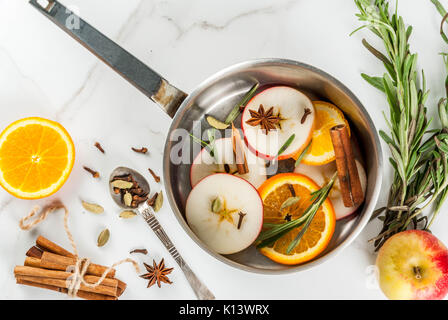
x=36, y=158
x=321, y=150
x=274, y=192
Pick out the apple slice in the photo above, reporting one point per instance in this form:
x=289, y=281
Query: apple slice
x=225, y=212
x=322, y=174
x=204, y=164
x=293, y=113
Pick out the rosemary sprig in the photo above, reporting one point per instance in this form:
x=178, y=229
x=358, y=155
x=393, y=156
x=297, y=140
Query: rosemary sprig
x=419, y=166
x=236, y=109
x=271, y=235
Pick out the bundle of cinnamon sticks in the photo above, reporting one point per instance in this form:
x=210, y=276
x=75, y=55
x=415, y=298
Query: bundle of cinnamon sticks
x=46, y=267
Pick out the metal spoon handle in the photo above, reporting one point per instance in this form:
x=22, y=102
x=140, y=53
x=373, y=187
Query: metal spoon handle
x=201, y=291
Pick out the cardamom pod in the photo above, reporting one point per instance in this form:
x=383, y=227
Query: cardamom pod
x=217, y=205
x=92, y=207
x=103, y=237
x=127, y=199
x=121, y=184
x=159, y=202
x=289, y=202
x=127, y=214
x=215, y=123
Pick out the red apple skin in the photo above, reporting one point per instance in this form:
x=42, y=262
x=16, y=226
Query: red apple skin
x=398, y=258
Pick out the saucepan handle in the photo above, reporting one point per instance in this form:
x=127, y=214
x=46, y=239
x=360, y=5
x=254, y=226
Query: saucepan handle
x=149, y=82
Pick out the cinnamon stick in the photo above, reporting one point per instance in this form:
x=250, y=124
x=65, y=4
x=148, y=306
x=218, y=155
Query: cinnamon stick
x=52, y=261
x=47, y=245
x=39, y=263
x=34, y=252
x=238, y=151
x=121, y=287
x=348, y=176
x=56, y=274
x=101, y=289
x=81, y=294
x=56, y=262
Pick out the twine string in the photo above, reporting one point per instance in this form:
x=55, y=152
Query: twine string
x=81, y=265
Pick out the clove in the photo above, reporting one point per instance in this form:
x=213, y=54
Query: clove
x=156, y=177
x=99, y=147
x=94, y=173
x=141, y=150
x=240, y=220
x=305, y=115
x=142, y=251
x=152, y=201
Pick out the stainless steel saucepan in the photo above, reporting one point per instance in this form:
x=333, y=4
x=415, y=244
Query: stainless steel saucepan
x=217, y=95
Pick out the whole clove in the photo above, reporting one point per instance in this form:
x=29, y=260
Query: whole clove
x=306, y=113
x=94, y=173
x=141, y=150
x=142, y=251
x=99, y=147
x=240, y=220
x=152, y=201
x=156, y=177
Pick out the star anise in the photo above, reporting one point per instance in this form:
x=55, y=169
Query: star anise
x=157, y=273
x=265, y=119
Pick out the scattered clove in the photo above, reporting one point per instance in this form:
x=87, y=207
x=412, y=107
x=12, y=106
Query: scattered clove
x=99, y=147
x=94, y=173
x=156, y=177
x=142, y=251
x=141, y=150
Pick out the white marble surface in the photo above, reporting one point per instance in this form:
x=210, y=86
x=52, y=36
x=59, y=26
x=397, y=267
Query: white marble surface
x=43, y=72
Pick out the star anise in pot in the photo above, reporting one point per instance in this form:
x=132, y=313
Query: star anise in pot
x=157, y=273
x=265, y=119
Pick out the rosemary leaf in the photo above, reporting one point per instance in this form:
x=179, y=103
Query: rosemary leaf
x=236, y=109
x=286, y=144
x=302, y=155
x=376, y=82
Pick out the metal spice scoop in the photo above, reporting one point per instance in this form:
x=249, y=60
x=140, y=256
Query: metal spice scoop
x=146, y=211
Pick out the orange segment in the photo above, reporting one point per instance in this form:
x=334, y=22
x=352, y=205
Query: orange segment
x=274, y=192
x=321, y=150
x=36, y=158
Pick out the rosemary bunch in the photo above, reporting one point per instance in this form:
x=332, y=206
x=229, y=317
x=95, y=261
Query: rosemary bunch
x=420, y=166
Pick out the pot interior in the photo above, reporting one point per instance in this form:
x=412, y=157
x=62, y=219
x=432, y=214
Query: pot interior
x=218, y=95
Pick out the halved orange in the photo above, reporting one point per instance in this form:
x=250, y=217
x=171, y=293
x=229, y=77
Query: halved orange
x=36, y=158
x=274, y=192
x=321, y=150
